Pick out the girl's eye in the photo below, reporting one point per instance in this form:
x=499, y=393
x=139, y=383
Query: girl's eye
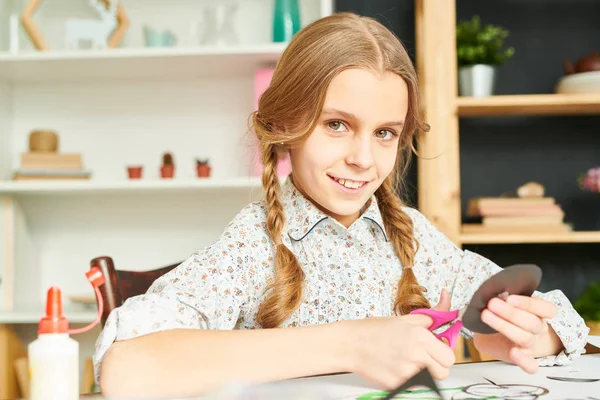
x=337, y=126
x=385, y=134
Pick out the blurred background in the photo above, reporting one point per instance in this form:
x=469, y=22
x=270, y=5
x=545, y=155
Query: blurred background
x=124, y=132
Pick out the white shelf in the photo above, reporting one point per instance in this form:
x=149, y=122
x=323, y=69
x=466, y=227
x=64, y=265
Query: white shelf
x=137, y=64
x=132, y=186
x=33, y=317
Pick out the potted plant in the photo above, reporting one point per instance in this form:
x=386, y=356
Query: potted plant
x=479, y=53
x=202, y=168
x=135, y=171
x=588, y=306
x=167, y=169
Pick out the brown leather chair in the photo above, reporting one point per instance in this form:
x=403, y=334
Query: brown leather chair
x=120, y=285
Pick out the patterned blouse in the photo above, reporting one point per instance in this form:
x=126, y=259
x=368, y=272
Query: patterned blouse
x=351, y=273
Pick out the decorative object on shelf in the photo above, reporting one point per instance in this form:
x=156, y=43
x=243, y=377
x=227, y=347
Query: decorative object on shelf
x=262, y=80
x=203, y=168
x=590, y=181
x=95, y=31
x=135, y=171
x=156, y=38
x=44, y=161
x=217, y=26
x=531, y=189
x=588, y=307
x=167, y=169
x=589, y=63
x=13, y=33
x=122, y=24
x=43, y=141
x=479, y=52
x=530, y=210
x=581, y=77
x=286, y=20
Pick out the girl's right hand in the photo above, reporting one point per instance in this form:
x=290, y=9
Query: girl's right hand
x=390, y=350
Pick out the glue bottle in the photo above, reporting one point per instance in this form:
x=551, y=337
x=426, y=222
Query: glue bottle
x=54, y=355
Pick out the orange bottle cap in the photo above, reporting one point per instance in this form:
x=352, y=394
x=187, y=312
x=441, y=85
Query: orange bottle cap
x=54, y=321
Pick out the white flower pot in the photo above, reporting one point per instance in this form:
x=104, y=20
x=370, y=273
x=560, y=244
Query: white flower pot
x=476, y=80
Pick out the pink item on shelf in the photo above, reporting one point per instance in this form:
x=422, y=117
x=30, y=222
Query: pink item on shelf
x=262, y=80
x=284, y=167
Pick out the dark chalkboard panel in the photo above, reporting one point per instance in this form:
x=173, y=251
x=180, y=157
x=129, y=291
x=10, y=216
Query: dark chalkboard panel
x=500, y=153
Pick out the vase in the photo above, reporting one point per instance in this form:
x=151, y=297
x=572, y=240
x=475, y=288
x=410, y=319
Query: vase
x=203, y=170
x=134, y=172
x=477, y=80
x=167, y=171
x=286, y=20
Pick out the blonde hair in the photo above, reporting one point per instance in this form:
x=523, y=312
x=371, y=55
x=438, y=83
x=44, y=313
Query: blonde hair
x=288, y=112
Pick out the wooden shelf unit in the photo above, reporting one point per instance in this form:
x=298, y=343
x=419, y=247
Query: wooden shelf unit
x=529, y=104
x=439, y=149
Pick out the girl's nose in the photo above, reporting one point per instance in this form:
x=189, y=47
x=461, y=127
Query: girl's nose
x=361, y=152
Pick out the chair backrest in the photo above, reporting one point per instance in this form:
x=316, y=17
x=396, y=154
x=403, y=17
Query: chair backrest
x=120, y=285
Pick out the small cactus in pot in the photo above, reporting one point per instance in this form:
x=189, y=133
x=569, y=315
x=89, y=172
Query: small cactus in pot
x=167, y=169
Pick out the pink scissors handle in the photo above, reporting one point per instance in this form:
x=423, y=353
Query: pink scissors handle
x=440, y=318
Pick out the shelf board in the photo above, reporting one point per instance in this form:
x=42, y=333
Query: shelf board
x=137, y=64
x=516, y=238
x=531, y=104
x=33, y=317
x=60, y=187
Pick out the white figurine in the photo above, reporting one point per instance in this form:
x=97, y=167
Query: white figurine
x=94, y=30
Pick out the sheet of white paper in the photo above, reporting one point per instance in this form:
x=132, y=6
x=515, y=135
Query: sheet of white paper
x=525, y=386
x=594, y=340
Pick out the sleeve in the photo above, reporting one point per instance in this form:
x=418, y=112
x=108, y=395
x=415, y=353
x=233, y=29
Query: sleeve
x=206, y=291
x=461, y=272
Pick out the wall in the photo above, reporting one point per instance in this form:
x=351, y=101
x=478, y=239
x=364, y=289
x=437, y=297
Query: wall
x=499, y=154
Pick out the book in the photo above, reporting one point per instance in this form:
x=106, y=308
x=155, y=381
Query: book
x=544, y=220
x=51, y=161
x=20, y=175
x=481, y=228
x=514, y=211
x=475, y=205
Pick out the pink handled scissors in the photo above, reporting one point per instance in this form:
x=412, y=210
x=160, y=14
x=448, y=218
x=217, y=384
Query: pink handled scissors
x=441, y=318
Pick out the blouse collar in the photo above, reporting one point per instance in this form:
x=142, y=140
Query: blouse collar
x=302, y=215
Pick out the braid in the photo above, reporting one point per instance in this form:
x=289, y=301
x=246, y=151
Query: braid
x=400, y=230
x=287, y=285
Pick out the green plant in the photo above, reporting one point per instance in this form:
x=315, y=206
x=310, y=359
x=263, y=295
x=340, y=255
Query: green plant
x=201, y=162
x=481, y=44
x=167, y=159
x=588, y=305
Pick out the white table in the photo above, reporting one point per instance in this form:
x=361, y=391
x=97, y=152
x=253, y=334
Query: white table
x=352, y=387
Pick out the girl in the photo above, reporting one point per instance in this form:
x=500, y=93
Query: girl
x=327, y=252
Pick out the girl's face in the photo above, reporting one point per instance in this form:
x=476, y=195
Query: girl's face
x=354, y=146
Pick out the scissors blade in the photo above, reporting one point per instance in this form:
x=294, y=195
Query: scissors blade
x=461, y=313
x=422, y=378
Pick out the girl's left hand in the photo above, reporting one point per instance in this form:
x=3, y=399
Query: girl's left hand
x=523, y=333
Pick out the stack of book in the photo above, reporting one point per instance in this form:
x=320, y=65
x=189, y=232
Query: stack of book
x=515, y=214
x=42, y=165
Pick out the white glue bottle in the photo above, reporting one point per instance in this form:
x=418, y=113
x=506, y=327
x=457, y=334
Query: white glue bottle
x=54, y=356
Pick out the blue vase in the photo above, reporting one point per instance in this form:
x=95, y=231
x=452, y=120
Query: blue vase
x=286, y=20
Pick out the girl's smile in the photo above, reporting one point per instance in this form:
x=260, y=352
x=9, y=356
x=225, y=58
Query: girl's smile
x=350, y=186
